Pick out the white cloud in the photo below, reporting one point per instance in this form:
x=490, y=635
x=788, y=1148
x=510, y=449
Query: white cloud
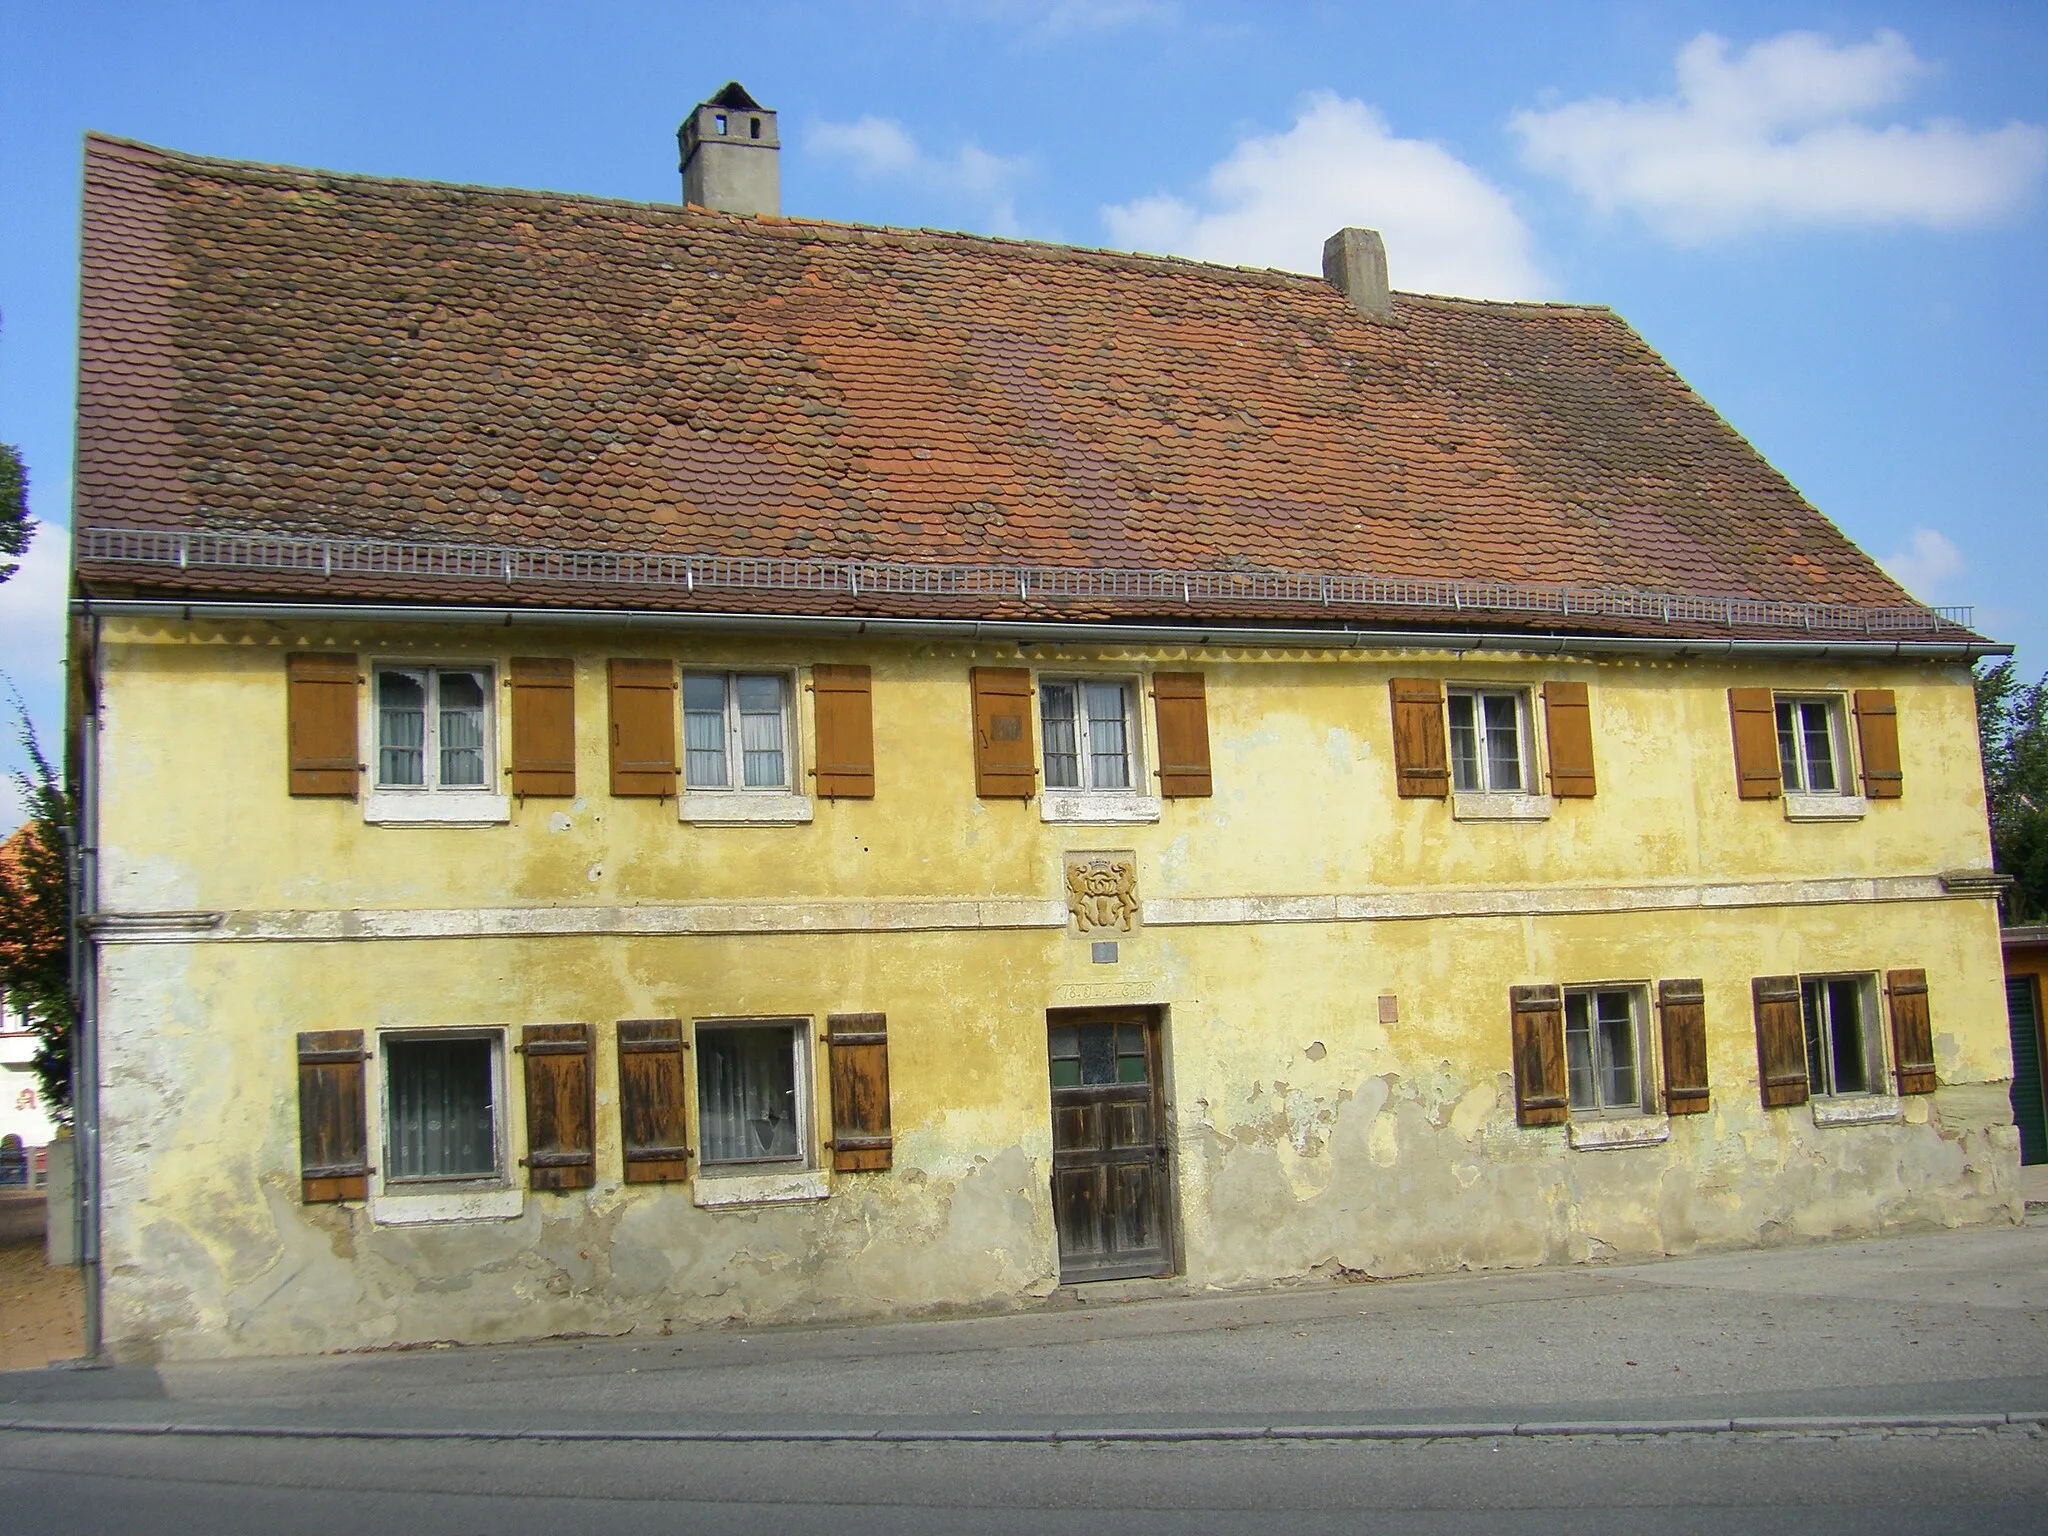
x=1927, y=565
x=1775, y=136
x=880, y=149
x=1275, y=198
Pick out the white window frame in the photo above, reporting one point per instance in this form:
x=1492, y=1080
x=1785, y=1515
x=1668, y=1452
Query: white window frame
x=1486, y=802
x=1641, y=1037
x=741, y=804
x=1801, y=801
x=428, y=803
x=1873, y=1101
x=781, y=1181
x=409, y=1202
x=1086, y=804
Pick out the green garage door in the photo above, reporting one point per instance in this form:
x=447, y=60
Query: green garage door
x=2022, y=1009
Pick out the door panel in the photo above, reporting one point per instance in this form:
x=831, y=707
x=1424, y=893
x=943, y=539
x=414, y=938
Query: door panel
x=1111, y=1192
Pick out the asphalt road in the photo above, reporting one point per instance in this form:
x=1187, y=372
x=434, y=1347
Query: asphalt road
x=1844, y=1344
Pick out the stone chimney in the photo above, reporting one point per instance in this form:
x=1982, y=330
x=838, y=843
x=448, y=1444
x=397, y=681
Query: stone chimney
x=1355, y=264
x=731, y=157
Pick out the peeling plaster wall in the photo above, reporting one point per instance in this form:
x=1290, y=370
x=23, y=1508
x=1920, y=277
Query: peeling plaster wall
x=1311, y=1139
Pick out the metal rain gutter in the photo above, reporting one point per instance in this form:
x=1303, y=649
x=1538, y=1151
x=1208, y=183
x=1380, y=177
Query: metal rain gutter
x=1034, y=632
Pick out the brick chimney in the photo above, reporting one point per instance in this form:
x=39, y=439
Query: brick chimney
x=731, y=156
x=1355, y=264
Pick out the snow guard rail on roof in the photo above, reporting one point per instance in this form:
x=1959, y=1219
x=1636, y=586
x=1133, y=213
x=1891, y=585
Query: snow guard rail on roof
x=501, y=566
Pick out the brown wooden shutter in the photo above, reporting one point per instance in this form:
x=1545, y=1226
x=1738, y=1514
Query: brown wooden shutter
x=1682, y=1011
x=1877, y=735
x=1180, y=704
x=560, y=1107
x=1780, y=1041
x=843, y=707
x=1005, y=761
x=1421, y=770
x=320, y=692
x=1758, y=774
x=543, y=726
x=1568, y=722
x=1912, y=1031
x=643, y=708
x=861, y=1141
x=1540, y=1096
x=334, y=1159
x=652, y=1091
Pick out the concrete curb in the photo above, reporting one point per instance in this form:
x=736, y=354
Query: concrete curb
x=1099, y=1434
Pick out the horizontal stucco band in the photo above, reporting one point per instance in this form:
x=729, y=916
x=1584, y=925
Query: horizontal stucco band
x=915, y=915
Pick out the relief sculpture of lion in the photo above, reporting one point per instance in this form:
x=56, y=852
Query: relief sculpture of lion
x=1102, y=894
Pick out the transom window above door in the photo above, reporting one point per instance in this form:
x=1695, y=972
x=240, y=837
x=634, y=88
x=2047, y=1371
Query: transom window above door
x=1089, y=729
x=1490, y=741
x=433, y=728
x=736, y=731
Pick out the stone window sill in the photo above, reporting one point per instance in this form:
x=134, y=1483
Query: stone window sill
x=1825, y=807
x=1481, y=807
x=1620, y=1131
x=1097, y=807
x=400, y=1208
x=1873, y=1109
x=435, y=808
x=743, y=808
x=727, y=1190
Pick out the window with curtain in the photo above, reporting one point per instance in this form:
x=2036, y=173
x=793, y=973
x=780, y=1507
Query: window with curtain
x=440, y=1108
x=1603, y=1049
x=751, y=1108
x=1490, y=741
x=1087, y=727
x=433, y=728
x=1811, y=746
x=736, y=730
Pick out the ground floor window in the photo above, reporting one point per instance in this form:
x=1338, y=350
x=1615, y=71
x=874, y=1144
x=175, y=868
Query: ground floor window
x=752, y=1107
x=1844, y=1047
x=441, y=1109
x=1603, y=1047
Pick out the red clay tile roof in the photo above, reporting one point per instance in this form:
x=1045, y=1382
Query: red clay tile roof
x=295, y=352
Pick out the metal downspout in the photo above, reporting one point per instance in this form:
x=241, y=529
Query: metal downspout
x=85, y=1044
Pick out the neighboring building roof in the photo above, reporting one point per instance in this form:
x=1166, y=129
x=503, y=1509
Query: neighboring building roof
x=549, y=383
x=2024, y=938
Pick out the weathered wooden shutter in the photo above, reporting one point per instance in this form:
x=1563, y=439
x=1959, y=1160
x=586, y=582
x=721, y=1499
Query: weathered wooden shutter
x=643, y=708
x=1682, y=1011
x=1180, y=704
x=334, y=1139
x=320, y=708
x=1780, y=1041
x=1005, y=762
x=861, y=1140
x=1421, y=769
x=1877, y=737
x=1912, y=1031
x=1758, y=774
x=652, y=1091
x=843, y=708
x=1568, y=722
x=1540, y=1093
x=560, y=1107
x=544, y=726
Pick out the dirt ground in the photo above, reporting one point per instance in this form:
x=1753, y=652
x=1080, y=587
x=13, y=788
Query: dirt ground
x=41, y=1316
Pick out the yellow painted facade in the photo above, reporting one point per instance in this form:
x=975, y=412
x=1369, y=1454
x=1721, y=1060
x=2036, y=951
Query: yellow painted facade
x=1314, y=1129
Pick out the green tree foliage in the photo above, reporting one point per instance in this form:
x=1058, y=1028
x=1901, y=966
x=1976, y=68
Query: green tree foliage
x=2012, y=724
x=35, y=918
x=16, y=527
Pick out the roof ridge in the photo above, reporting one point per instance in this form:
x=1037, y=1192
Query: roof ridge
x=1047, y=249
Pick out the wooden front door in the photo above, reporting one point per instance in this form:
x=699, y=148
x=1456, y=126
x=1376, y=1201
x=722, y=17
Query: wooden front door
x=1111, y=1186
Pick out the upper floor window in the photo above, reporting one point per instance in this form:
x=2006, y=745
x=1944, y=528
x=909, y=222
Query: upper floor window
x=1489, y=741
x=736, y=730
x=433, y=728
x=1812, y=746
x=1090, y=728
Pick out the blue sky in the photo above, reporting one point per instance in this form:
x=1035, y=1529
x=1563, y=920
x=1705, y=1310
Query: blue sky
x=1832, y=218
